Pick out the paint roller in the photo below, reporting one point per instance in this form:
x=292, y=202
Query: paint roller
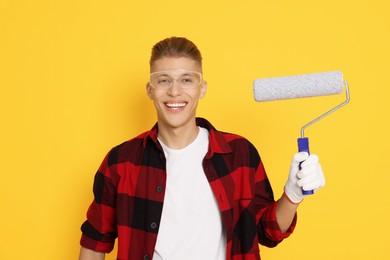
x=300, y=86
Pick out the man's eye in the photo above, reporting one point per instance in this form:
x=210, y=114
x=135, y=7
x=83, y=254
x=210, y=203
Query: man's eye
x=163, y=81
x=187, y=80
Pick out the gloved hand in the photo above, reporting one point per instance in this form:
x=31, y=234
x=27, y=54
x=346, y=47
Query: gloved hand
x=310, y=177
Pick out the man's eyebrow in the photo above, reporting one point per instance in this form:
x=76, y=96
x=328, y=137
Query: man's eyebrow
x=162, y=74
x=180, y=75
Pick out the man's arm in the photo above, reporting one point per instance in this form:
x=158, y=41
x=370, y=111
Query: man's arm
x=305, y=173
x=285, y=213
x=88, y=254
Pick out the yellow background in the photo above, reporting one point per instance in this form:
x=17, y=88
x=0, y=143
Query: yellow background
x=72, y=78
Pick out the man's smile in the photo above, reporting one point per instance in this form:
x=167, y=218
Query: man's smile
x=175, y=105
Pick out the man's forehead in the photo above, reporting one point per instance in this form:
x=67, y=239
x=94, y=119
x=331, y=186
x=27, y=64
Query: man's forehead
x=178, y=72
x=175, y=63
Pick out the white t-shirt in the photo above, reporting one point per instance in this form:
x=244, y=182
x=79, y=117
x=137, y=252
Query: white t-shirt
x=191, y=226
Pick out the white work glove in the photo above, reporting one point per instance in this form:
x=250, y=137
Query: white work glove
x=310, y=177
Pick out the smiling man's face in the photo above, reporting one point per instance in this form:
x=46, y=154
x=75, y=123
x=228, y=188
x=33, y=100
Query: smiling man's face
x=176, y=105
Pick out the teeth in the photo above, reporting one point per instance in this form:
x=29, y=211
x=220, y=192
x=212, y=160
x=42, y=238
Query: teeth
x=175, y=105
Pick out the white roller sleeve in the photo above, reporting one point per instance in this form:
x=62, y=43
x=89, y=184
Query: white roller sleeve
x=299, y=86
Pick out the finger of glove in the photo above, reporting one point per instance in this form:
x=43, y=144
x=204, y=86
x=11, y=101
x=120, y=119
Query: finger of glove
x=309, y=170
x=310, y=180
x=313, y=181
x=298, y=158
x=308, y=166
x=310, y=160
x=315, y=185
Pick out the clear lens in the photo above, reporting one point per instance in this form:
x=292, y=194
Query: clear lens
x=185, y=79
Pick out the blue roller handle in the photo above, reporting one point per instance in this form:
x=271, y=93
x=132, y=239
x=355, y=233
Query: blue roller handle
x=303, y=146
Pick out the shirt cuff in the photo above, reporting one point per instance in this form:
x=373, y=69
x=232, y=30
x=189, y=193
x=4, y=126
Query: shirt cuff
x=102, y=247
x=273, y=231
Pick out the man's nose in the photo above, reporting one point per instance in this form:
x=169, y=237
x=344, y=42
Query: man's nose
x=175, y=88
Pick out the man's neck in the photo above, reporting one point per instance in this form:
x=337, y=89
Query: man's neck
x=178, y=138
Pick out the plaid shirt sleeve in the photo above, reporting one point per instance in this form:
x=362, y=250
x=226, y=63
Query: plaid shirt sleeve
x=269, y=233
x=99, y=230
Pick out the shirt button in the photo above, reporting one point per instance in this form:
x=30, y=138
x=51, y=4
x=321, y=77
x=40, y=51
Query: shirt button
x=153, y=225
x=159, y=188
x=146, y=257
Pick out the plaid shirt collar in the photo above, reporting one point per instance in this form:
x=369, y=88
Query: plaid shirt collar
x=218, y=143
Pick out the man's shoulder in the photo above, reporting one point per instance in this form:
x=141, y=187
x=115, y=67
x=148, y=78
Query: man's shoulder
x=227, y=136
x=131, y=149
x=236, y=142
x=136, y=141
x=233, y=138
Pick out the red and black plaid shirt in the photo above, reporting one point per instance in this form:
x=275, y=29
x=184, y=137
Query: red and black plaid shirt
x=129, y=192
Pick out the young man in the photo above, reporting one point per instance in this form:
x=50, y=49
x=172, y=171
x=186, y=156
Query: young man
x=184, y=190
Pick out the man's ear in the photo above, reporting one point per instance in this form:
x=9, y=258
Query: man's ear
x=149, y=90
x=203, y=89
